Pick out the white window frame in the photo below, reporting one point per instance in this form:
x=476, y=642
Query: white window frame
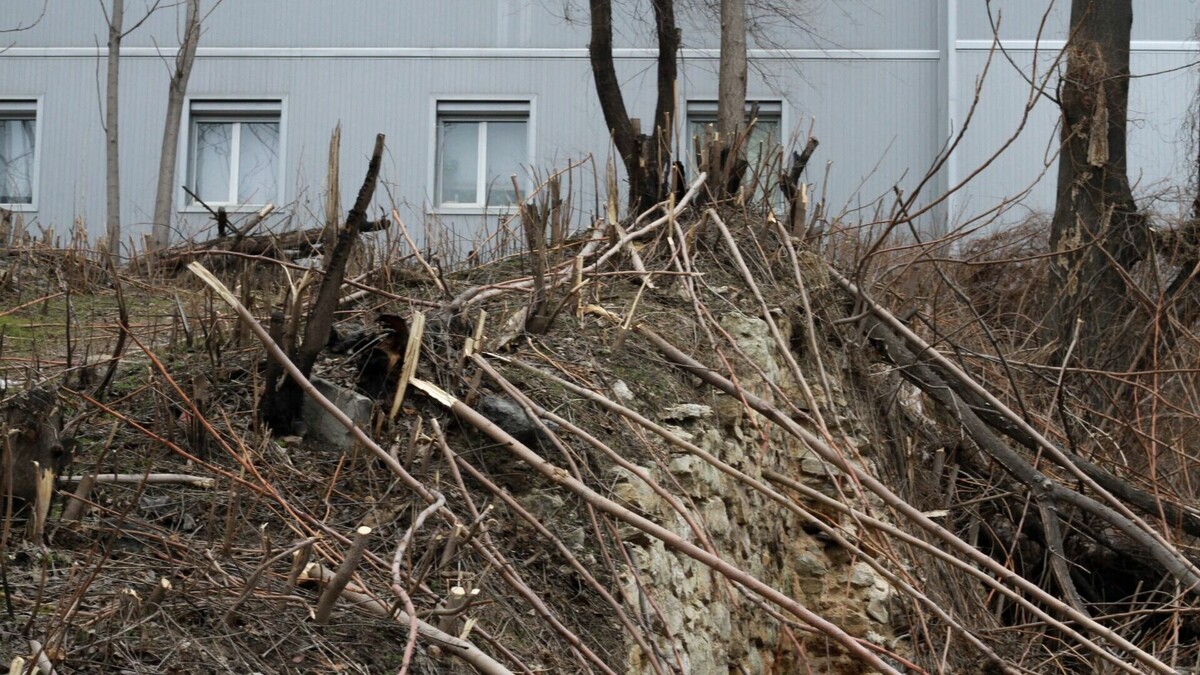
x=478, y=108
x=706, y=110
x=236, y=109
x=22, y=107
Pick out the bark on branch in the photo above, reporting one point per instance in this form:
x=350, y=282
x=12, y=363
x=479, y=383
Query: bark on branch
x=281, y=402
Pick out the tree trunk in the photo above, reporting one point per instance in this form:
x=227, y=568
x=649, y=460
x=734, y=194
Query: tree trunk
x=1097, y=231
x=164, y=200
x=731, y=87
x=282, y=399
x=111, y=129
x=644, y=155
x=668, y=37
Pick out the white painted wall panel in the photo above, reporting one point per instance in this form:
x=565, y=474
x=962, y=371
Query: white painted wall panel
x=873, y=74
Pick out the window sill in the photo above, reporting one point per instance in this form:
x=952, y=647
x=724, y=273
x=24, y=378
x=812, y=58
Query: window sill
x=467, y=210
x=229, y=208
x=20, y=208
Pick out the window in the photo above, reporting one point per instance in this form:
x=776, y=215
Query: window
x=18, y=152
x=764, y=141
x=480, y=145
x=233, y=152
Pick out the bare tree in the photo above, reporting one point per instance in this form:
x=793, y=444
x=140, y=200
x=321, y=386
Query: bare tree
x=115, y=20
x=731, y=84
x=160, y=236
x=645, y=156
x=1097, y=230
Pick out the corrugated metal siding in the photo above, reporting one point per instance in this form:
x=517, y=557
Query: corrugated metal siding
x=997, y=117
x=832, y=25
x=1154, y=20
x=1161, y=138
x=871, y=73
x=814, y=24
x=317, y=23
x=1018, y=19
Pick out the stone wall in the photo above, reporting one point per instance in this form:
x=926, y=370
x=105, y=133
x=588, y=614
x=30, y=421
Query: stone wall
x=702, y=622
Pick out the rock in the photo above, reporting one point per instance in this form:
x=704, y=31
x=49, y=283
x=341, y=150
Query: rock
x=680, y=433
x=878, y=597
x=632, y=491
x=753, y=336
x=509, y=416
x=324, y=427
x=877, y=609
x=862, y=575
x=574, y=538
x=696, y=475
x=289, y=441
x=715, y=516
x=622, y=392
x=812, y=585
x=542, y=504
x=687, y=412
x=815, y=466
x=809, y=565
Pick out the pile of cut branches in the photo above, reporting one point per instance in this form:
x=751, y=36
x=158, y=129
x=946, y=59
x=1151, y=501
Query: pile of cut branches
x=472, y=521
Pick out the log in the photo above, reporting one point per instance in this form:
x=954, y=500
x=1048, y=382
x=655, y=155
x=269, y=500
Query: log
x=460, y=648
x=147, y=478
x=307, y=243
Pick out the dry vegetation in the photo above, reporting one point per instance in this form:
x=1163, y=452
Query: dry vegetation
x=1033, y=517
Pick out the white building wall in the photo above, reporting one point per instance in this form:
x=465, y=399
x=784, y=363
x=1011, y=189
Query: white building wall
x=882, y=83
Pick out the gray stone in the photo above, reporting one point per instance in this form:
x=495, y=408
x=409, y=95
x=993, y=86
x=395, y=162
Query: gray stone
x=574, y=538
x=809, y=565
x=877, y=609
x=815, y=466
x=542, y=504
x=509, y=416
x=683, y=435
x=324, y=427
x=753, y=336
x=686, y=412
x=716, y=518
x=622, y=392
x=862, y=575
x=695, y=474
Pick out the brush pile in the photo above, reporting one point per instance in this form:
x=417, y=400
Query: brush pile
x=688, y=443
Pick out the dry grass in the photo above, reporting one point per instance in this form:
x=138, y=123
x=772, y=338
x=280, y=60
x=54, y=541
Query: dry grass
x=184, y=396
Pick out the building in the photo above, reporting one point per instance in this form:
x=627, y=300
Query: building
x=469, y=92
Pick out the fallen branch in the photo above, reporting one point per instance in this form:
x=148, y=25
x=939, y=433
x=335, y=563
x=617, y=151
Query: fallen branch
x=277, y=355
x=834, y=457
x=334, y=586
x=897, y=338
x=460, y=648
x=147, y=478
x=301, y=243
x=230, y=619
x=672, y=540
x=637, y=634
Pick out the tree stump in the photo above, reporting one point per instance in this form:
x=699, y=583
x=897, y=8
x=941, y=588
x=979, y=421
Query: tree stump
x=31, y=424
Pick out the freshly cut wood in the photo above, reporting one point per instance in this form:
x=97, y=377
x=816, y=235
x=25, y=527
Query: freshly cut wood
x=284, y=245
x=334, y=587
x=461, y=648
x=147, y=478
x=33, y=427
